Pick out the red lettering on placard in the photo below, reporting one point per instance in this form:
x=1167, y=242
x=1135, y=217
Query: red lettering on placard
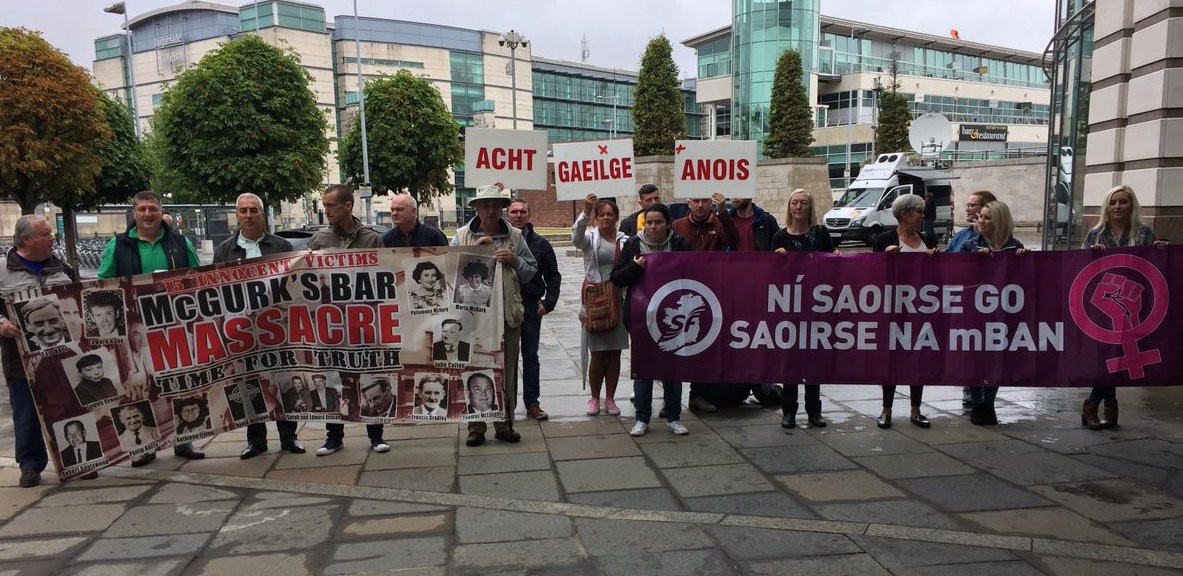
x=717, y=170
x=505, y=159
x=594, y=170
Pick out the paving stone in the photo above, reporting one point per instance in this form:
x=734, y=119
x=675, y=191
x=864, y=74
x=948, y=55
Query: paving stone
x=338, y=475
x=1157, y=534
x=532, y=441
x=1126, y=469
x=851, y=565
x=279, y=500
x=605, y=474
x=476, y=525
x=794, y=459
x=1113, y=500
x=146, y=547
x=971, y=493
x=142, y=568
x=231, y=466
x=95, y=496
x=677, y=563
x=1042, y=468
x=1046, y=522
x=1062, y=566
x=895, y=554
x=776, y=504
x=658, y=433
x=1148, y=451
x=976, y=453
x=914, y=465
x=763, y=435
x=356, y=450
x=744, y=543
x=836, y=486
x=419, y=453
x=876, y=443
x=190, y=493
x=12, y=550
x=396, y=525
x=1012, y=568
x=485, y=464
x=710, y=480
x=13, y=500
x=62, y=519
x=362, y=508
x=442, y=479
x=693, y=452
x=272, y=530
x=518, y=485
x=640, y=499
x=388, y=555
x=171, y=519
x=897, y=512
x=634, y=537
x=32, y=568
x=589, y=447
x=1068, y=441
x=295, y=563
x=399, y=433
x=522, y=555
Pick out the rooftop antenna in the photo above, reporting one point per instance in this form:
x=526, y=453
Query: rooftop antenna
x=584, y=53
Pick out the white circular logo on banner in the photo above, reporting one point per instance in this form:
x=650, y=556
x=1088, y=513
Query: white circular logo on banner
x=684, y=317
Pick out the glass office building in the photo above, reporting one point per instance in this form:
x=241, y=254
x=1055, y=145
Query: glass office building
x=761, y=31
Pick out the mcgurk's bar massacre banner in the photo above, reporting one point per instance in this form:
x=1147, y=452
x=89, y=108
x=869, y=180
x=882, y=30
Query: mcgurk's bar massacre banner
x=1066, y=318
x=125, y=366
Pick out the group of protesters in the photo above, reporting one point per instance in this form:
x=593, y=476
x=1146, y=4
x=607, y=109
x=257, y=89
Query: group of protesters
x=615, y=251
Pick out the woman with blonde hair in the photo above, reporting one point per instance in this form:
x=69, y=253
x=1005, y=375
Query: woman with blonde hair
x=1120, y=225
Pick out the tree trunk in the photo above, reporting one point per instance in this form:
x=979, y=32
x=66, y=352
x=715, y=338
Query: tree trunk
x=70, y=242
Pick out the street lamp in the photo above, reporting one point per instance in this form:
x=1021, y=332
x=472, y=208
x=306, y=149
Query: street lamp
x=365, y=190
x=878, y=91
x=120, y=8
x=614, y=98
x=513, y=40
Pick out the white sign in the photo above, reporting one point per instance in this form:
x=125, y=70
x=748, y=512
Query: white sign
x=703, y=167
x=603, y=168
x=515, y=158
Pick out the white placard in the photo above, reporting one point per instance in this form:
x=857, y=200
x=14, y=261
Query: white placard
x=703, y=167
x=515, y=158
x=602, y=167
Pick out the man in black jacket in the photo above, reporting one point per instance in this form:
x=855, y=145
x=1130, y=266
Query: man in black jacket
x=647, y=195
x=539, y=297
x=252, y=241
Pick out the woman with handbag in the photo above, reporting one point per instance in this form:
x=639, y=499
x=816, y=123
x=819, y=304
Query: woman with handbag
x=605, y=334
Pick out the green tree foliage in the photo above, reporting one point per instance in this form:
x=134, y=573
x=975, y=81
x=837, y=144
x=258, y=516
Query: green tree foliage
x=895, y=119
x=413, y=139
x=790, y=122
x=242, y=120
x=124, y=161
x=657, y=101
x=52, y=125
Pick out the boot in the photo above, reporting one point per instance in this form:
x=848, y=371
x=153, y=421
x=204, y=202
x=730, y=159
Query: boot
x=789, y=419
x=977, y=414
x=814, y=411
x=1110, y=413
x=1088, y=415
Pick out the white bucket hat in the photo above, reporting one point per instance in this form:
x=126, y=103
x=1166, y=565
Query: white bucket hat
x=490, y=192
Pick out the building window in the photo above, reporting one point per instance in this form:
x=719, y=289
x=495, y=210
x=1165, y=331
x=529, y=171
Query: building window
x=108, y=48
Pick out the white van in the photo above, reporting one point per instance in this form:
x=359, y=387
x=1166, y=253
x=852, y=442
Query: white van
x=864, y=210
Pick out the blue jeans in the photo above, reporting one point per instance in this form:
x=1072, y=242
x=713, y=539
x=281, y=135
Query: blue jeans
x=531, y=335
x=643, y=402
x=30, y=445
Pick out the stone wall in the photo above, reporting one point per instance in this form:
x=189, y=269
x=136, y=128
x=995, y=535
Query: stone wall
x=1018, y=182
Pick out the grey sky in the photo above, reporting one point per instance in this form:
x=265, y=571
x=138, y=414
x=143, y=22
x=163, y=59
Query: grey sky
x=616, y=30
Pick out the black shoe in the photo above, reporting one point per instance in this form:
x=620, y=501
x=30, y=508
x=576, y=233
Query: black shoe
x=977, y=415
x=252, y=450
x=475, y=439
x=921, y=421
x=816, y=421
x=188, y=452
x=510, y=436
x=991, y=416
x=294, y=446
x=30, y=478
x=788, y=421
x=143, y=460
x=883, y=421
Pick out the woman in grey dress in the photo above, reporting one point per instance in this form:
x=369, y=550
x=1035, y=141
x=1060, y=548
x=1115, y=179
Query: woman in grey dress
x=600, y=244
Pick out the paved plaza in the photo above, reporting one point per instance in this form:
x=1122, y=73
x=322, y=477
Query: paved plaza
x=1036, y=494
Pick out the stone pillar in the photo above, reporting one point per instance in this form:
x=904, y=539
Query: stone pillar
x=1136, y=110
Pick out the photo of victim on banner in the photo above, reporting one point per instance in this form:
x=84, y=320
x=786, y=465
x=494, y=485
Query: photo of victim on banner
x=483, y=396
x=79, y=441
x=325, y=336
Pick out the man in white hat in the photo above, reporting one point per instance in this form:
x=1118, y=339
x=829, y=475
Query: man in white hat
x=517, y=266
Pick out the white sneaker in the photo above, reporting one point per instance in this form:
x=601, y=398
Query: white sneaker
x=639, y=429
x=677, y=428
x=699, y=403
x=380, y=446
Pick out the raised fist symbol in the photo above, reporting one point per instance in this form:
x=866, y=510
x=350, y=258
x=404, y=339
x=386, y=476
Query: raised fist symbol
x=1119, y=298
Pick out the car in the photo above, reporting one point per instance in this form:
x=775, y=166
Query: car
x=299, y=236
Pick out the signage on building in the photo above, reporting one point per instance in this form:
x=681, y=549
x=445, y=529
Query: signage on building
x=169, y=40
x=602, y=167
x=982, y=133
x=703, y=167
x=515, y=158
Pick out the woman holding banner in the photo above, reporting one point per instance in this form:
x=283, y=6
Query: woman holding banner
x=600, y=245
x=801, y=233
x=908, y=210
x=1120, y=225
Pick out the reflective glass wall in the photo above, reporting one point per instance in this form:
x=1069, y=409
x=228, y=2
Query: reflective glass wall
x=761, y=31
x=1069, y=67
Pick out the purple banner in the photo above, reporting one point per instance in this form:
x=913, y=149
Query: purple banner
x=1069, y=318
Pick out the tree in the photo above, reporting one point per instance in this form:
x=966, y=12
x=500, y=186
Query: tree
x=657, y=101
x=895, y=119
x=242, y=120
x=790, y=122
x=418, y=140
x=51, y=123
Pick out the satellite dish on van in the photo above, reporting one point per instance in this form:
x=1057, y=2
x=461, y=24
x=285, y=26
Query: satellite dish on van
x=930, y=135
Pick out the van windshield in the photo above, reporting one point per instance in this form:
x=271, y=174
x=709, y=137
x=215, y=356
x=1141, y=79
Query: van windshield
x=867, y=199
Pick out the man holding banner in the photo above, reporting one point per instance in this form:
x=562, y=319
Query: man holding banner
x=252, y=241
x=517, y=266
